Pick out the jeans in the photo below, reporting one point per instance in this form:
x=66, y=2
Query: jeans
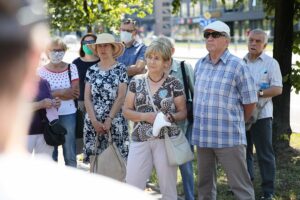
x=69, y=147
x=186, y=170
x=260, y=135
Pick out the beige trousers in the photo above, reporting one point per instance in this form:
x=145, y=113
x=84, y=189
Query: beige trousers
x=141, y=159
x=233, y=160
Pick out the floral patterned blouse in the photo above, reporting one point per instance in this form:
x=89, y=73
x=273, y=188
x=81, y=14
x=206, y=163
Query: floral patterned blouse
x=163, y=99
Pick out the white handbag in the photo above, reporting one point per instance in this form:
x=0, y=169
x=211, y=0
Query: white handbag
x=110, y=162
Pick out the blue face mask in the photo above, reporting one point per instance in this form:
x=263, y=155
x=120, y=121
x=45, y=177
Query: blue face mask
x=87, y=50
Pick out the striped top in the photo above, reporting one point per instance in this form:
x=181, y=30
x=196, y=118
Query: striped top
x=265, y=70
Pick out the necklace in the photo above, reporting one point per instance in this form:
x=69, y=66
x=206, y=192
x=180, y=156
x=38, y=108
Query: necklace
x=158, y=80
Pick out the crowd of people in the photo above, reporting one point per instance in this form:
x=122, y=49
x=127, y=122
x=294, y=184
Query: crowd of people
x=121, y=86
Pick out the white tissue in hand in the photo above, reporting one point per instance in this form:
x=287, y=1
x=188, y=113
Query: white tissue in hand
x=51, y=114
x=159, y=122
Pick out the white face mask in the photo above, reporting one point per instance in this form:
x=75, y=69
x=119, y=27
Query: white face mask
x=126, y=36
x=56, y=56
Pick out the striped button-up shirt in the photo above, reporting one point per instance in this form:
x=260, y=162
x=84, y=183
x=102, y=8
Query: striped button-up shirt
x=265, y=67
x=220, y=90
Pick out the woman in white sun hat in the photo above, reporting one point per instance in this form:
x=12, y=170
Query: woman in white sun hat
x=105, y=89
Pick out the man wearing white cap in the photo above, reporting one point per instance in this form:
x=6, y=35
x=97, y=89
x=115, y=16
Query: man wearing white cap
x=224, y=99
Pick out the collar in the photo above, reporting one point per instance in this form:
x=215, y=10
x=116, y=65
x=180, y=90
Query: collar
x=262, y=57
x=134, y=44
x=224, y=57
x=175, y=65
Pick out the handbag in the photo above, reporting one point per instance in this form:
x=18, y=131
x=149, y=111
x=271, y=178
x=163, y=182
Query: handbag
x=79, y=114
x=54, y=133
x=189, y=101
x=110, y=162
x=178, y=148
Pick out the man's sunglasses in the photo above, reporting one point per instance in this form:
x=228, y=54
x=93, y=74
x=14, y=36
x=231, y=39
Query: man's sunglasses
x=88, y=41
x=213, y=34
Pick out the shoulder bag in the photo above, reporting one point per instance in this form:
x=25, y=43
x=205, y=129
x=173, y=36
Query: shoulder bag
x=54, y=133
x=110, y=162
x=178, y=148
x=189, y=101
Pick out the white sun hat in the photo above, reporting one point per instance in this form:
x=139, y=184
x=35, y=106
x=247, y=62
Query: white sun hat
x=218, y=26
x=106, y=38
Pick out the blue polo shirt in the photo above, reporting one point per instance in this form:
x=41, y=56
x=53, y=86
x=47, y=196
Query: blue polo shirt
x=132, y=54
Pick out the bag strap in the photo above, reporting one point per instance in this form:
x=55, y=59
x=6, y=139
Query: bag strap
x=149, y=92
x=70, y=79
x=185, y=82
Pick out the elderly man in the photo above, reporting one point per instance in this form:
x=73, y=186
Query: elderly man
x=225, y=97
x=267, y=76
x=133, y=56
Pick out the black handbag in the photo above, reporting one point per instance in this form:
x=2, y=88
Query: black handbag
x=79, y=114
x=54, y=133
x=189, y=101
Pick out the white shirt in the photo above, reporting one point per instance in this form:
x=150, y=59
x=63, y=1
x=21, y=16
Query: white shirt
x=265, y=65
x=27, y=178
x=60, y=80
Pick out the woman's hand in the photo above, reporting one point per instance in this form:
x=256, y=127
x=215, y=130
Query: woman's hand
x=46, y=103
x=107, y=124
x=56, y=102
x=149, y=117
x=98, y=126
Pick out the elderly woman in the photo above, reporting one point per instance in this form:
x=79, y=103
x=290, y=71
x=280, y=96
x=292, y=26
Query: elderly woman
x=64, y=84
x=168, y=97
x=105, y=89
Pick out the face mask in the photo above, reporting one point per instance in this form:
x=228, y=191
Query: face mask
x=87, y=50
x=126, y=36
x=56, y=56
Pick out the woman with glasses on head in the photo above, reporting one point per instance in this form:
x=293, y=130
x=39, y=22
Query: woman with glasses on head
x=65, y=86
x=83, y=62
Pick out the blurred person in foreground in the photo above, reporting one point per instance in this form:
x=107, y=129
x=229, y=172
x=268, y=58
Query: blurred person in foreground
x=147, y=150
x=224, y=99
x=21, y=176
x=174, y=69
x=133, y=56
x=64, y=84
x=267, y=76
x=83, y=62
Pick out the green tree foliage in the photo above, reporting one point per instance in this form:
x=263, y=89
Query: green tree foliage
x=71, y=15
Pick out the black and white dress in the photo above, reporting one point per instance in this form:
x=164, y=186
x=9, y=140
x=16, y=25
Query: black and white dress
x=104, y=91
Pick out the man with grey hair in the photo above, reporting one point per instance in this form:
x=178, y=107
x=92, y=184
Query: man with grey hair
x=267, y=76
x=224, y=99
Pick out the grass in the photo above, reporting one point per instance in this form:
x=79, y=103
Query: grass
x=287, y=176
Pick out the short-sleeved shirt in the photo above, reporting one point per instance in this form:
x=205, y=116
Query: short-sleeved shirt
x=220, y=91
x=37, y=125
x=132, y=54
x=267, y=66
x=82, y=67
x=163, y=99
x=61, y=80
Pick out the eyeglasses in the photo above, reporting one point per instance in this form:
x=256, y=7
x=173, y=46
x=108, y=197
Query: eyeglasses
x=88, y=42
x=213, y=35
x=129, y=31
x=57, y=50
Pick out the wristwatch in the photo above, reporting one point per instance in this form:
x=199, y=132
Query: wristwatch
x=261, y=93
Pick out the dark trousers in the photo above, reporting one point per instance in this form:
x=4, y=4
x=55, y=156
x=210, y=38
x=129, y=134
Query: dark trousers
x=260, y=135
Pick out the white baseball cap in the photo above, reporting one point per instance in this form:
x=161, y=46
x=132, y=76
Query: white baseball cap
x=218, y=26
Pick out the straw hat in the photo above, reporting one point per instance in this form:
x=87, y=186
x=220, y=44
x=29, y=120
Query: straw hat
x=106, y=38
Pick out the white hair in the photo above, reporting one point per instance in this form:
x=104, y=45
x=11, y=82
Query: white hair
x=260, y=32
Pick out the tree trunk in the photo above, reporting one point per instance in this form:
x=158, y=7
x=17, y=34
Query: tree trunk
x=282, y=52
